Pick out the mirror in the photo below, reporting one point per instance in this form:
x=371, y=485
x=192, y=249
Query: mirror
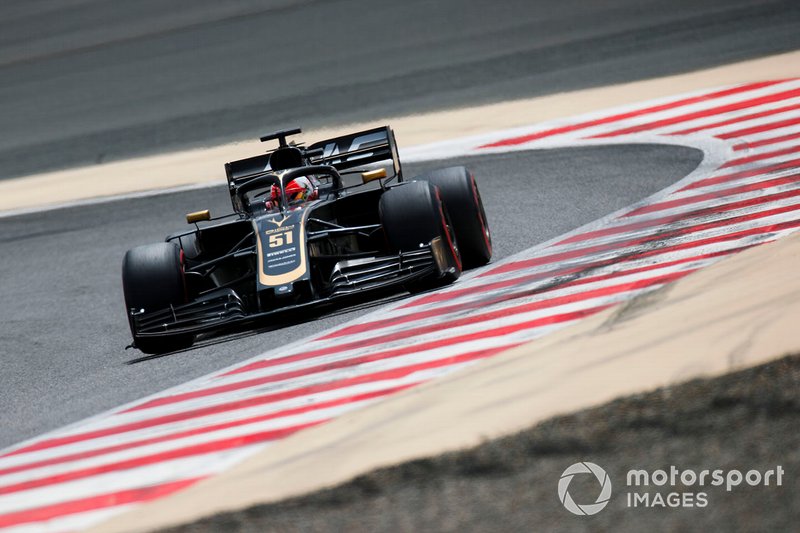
x=373, y=175
x=198, y=216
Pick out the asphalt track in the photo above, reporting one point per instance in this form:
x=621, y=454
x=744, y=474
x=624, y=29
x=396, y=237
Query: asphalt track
x=84, y=81
x=63, y=331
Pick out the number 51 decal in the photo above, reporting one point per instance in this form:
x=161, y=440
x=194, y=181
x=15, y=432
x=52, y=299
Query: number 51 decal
x=279, y=239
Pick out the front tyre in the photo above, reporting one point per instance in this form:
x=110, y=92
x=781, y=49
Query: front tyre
x=152, y=279
x=460, y=194
x=413, y=214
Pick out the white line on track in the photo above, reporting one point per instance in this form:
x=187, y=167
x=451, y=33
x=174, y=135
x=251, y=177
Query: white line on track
x=617, y=257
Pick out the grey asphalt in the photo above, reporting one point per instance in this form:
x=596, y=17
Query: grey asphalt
x=62, y=321
x=85, y=81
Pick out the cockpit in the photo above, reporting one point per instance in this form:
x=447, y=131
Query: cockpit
x=273, y=192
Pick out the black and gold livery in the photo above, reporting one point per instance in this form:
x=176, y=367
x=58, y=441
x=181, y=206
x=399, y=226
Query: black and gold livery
x=366, y=229
x=281, y=250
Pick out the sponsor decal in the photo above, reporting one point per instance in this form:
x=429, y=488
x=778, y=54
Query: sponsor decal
x=280, y=222
x=281, y=250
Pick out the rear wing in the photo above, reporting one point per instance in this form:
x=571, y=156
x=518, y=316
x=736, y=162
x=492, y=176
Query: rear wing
x=342, y=153
x=246, y=167
x=361, y=148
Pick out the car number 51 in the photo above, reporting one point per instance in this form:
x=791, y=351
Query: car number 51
x=279, y=239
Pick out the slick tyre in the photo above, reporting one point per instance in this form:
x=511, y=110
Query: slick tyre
x=414, y=214
x=152, y=279
x=461, y=197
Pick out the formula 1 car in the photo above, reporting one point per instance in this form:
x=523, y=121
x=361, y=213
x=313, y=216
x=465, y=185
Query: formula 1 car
x=301, y=235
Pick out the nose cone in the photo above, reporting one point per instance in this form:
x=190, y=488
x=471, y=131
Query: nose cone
x=281, y=246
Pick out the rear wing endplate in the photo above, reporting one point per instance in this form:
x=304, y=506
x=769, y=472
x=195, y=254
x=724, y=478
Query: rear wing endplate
x=361, y=148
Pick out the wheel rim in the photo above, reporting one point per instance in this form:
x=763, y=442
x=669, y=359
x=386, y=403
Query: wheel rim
x=449, y=233
x=487, y=235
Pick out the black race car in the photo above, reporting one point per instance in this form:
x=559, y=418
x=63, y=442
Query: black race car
x=288, y=246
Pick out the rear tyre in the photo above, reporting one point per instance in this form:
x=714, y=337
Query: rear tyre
x=460, y=194
x=152, y=279
x=414, y=214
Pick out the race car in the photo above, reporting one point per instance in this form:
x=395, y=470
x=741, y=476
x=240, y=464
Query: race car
x=310, y=226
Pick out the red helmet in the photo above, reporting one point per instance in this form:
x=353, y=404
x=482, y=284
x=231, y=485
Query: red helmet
x=297, y=191
x=301, y=189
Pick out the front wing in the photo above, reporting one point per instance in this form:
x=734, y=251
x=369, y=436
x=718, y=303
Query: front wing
x=224, y=308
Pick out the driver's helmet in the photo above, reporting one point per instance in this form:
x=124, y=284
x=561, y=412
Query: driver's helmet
x=298, y=190
x=302, y=189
